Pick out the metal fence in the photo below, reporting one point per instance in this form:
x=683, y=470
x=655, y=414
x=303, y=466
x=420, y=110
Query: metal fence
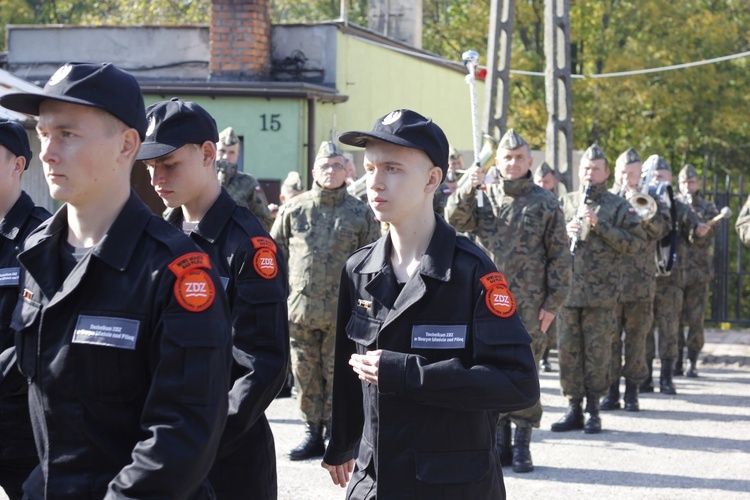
x=729, y=300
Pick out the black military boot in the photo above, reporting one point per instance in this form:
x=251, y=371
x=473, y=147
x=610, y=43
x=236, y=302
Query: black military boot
x=593, y=424
x=631, y=396
x=678, y=365
x=503, y=449
x=544, y=362
x=692, y=372
x=666, y=386
x=648, y=384
x=312, y=445
x=572, y=420
x=612, y=400
x=521, y=453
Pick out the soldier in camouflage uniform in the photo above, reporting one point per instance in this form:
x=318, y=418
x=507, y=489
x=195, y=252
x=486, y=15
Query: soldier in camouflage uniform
x=521, y=227
x=669, y=292
x=699, y=269
x=604, y=229
x=449, y=184
x=635, y=308
x=545, y=177
x=243, y=187
x=742, y=226
x=317, y=231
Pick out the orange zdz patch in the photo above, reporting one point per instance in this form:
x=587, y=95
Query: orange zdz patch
x=263, y=242
x=189, y=261
x=194, y=290
x=265, y=263
x=500, y=301
x=492, y=280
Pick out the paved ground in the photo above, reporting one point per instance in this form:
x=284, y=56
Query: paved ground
x=694, y=445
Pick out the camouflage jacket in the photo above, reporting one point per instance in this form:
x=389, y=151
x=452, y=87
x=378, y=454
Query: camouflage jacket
x=247, y=193
x=686, y=222
x=521, y=227
x=639, y=269
x=698, y=263
x=743, y=223
x=598, y=264
x=441, y=198
x=317, y=231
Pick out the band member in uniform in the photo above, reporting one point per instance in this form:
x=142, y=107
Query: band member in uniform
x=670, y=291
x=699, y=269
x=18, y=218
x=742, y=226
x=635, y=307
x=122, y=329
x=603, y=228
x=428, y=337
x=522, y=229
x=179, y=151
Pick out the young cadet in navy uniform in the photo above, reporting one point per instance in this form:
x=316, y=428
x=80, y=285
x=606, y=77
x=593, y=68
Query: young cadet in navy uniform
x=179, y=151
x=18, y=218
x=122, y=331
x=427, y=336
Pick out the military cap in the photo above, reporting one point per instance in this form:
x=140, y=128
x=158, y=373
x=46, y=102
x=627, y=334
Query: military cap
x=14, y=138
x=543, y=170
x=629, y=156
x=227, y=137
x=409, y=129
x=512, y=140
x=453, y=153
x=328, y=149
x=294, y=181
x=688, y=172
x=174, y=123
x=103, y=86
x=594, y=152
x=661, y=164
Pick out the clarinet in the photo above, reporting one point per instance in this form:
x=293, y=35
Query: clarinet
x=584, y=201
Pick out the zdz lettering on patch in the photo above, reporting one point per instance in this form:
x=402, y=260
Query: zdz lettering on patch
x=264, y=261
x=499, y=299
x=193, y=289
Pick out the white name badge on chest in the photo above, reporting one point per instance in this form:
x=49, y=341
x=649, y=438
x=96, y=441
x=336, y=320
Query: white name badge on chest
x=438, y=336
x=106, y=331
x=10, y=276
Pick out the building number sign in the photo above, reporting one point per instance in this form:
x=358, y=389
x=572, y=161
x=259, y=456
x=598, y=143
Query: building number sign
x=270, y=122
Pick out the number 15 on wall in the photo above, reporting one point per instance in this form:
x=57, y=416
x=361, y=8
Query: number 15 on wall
x=270, y=123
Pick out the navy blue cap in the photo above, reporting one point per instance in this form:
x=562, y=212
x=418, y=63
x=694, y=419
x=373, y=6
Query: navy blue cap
x=99, y=85
x=407, y=128
x=14, y=138
x=174, y=123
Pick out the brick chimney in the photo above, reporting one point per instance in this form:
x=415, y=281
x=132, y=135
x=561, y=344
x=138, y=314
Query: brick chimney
x=240, y=40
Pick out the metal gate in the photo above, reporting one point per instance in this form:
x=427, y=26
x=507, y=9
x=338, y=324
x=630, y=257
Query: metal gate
x=729, y=299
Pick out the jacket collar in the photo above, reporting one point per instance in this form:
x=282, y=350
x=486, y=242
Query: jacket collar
x=517, y=187
x=10, y=225
x=213, y=222
x=330, y=197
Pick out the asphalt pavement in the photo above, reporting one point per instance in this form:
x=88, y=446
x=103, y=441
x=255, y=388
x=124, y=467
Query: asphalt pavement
x=693, y=445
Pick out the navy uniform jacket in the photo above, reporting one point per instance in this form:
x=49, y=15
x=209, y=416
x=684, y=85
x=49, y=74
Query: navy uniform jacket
x=429, y=426
x=237, y=244
x=16, y=440
x=127, y=360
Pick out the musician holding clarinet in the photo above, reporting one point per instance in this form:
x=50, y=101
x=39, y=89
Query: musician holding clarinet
x=603, y=228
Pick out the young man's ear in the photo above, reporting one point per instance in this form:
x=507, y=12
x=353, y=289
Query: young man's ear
x=209, y=153
x=434, y=180
x=20, y=165
x=131, y=143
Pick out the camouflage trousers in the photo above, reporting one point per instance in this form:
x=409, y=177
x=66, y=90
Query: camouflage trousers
x=531, y=417
x=584, y=345
x=312, y=365
x=667, y=310
x=633, y=323
x=693, y=311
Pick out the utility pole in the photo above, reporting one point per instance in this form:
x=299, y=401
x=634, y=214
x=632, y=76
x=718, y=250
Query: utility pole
x=498, y=67
x=557, y=89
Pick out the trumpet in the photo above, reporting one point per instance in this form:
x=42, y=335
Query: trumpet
x=643, y=203
x=486, y=158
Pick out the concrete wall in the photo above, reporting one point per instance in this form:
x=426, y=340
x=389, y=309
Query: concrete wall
x=148, y=52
